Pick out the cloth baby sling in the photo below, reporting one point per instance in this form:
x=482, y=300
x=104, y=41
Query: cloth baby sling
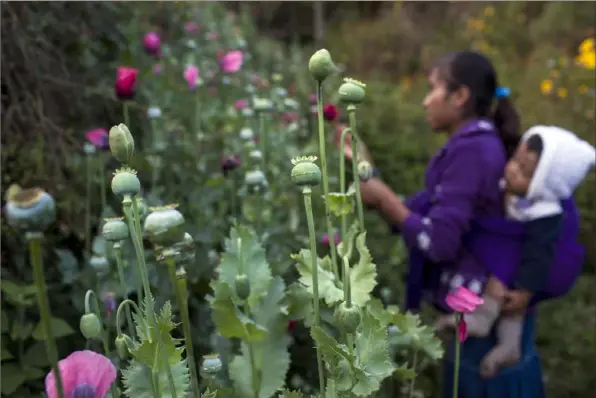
x=495, y=244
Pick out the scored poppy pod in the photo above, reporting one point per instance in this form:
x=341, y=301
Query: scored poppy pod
x=126, y=79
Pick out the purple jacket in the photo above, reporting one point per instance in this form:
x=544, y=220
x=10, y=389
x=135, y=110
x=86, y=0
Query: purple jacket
x=457, y=232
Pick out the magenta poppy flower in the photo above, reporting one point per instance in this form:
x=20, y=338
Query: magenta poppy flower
x=98, y=137
x=191, y=75
x=231, y=62
x=325, y=239
x=190, y=27
x=126, y=79
x=330, y=113
x=152, y=43
x=85, y=374
x=240, y=104
x=229, y=163
x=463, y=300
x=110, y=303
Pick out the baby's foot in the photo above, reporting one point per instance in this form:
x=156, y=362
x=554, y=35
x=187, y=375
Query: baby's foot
x=502, y=355
x=445, y=322
x=480, y=322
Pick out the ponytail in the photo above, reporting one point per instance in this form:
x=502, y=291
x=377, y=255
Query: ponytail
x=507, y=122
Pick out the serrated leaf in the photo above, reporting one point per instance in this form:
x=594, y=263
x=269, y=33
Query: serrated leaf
x=272, y=359
x=403, y=372
x=244, y=254
x=340, y=204
x=346, y=246
x=299, y=302
x=230, y=321
x=328, y=290
x=209, y=394
x=363, y=276
x=59, y=329
x=137, y=380
x=290, y=394
x=371, y=349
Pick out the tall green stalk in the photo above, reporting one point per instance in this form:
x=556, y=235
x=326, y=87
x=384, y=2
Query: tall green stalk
x=307, y=192
x=458, y=320
x=323, y=156
x=342, y=178
x=43, y=303
x=262, y=140
x=123, y=289
x=104, y=336
x=355, y=152
x=179, y=283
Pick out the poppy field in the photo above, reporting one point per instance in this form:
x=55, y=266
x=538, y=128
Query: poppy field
x=206, y=239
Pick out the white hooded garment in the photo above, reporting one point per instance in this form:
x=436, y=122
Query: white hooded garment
x=564, y=163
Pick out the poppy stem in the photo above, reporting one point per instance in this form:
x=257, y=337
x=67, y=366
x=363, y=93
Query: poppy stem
x=126, y=113
x=342, y=178
x=458, y=317
x=355, y=156
x=323, y=156
x=118, y=254
x=34, y=239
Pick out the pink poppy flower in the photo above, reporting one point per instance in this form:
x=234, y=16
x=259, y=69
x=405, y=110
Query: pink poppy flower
x=231, y=62
x=191, y=75
x=463, y=300
x=289, y=117
x=152, y=43
x=98, y=137
x=212, y=36
x=190, y=27
x=126, y=78
x=84, y=374
x=240, y=104
x=325, y=239
x=330, y=113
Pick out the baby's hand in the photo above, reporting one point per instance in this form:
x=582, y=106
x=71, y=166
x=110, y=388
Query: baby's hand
x=516, y=301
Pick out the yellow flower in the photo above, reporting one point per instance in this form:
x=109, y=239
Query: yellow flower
x=562, y=92
x=587, y=46
x=583, y=89
x=489, y=11
x=587, y=59
x=546, y=86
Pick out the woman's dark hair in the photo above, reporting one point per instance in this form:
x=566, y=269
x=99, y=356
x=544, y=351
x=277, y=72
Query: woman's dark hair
x=534, y=144
x=476, y=72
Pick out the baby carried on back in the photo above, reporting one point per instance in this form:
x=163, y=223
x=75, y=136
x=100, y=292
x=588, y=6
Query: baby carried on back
x=534, y=251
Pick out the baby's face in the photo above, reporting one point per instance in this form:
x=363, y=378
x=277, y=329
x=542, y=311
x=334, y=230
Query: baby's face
x=520, y=170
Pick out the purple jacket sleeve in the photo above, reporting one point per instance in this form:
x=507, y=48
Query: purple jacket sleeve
x=439, y=234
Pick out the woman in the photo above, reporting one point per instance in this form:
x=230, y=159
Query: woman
x=462, y=184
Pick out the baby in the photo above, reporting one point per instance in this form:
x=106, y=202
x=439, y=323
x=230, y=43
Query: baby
x=547, y=166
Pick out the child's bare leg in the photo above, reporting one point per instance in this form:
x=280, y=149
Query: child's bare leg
x=480, y=322
x=508, y=350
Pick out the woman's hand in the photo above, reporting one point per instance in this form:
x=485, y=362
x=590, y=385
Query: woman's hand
x=365, y=154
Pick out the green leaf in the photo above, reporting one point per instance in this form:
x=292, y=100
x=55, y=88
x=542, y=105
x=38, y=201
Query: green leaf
x=32, y=373
x=290, y=394
x=6, y=355
x=4, y=324
x=209, y=394
x=271, y=356
x=145, y=351
x=327, y=282
x=59, y=329
x=299, y=302
x=136, y=379
x=244, y=254
x=340, y=204
x=21, y=331
x=346, y=246
x=36, y=355
x=363, y=276
x=405, y=373
x=12, y=378
x=230, y=321
x=17, y=294
x=373, y=355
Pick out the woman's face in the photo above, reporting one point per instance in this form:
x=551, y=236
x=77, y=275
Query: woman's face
x=442, y=107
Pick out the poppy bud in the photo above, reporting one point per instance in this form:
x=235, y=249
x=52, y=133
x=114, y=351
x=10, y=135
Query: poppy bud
x=90, y=326
x=321, y=65
x=122, y=143
x=126, y=79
